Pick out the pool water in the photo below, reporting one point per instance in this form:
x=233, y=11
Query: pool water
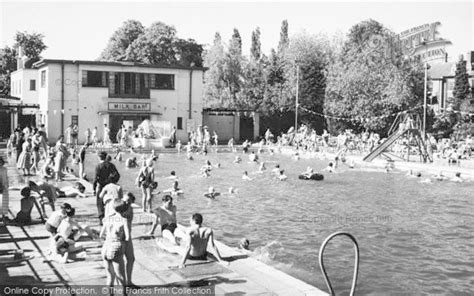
x=414, y=238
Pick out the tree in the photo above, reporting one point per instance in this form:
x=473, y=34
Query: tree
x=214, y=85
x=123, y=37
x=233, y=74
x=370, y=80
x=284, y=40
x=7, y=65
x=188, y=52
x=254, y=81
x=157, y=44
x=462, y=89
x=154, y=46
x=32, y=45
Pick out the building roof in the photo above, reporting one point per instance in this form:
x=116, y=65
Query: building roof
x=44, y=62
x=440, y=70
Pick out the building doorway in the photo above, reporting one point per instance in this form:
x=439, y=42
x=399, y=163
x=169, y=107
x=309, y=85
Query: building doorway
x=246, y=128
x=116, y=121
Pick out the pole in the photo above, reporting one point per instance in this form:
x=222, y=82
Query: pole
x=424, y=101
x=297, y=94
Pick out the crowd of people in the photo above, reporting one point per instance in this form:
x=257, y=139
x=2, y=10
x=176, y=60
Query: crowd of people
x=114, y=205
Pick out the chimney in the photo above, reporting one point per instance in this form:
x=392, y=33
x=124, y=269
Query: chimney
x=19, y=60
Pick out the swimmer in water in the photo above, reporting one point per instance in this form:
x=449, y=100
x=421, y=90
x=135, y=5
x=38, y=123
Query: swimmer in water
x=246, y=177
x=205, y=172
x=308, y=173
x=351, y=164
x=262, y=167
x=174, y=190
x=282, y=176
x=330, y=168
x=440, y=176
x=276, y=170
x=131, y=162
x=253, y=157
x=232, y=190
x=237, y=159
x=457, y=178
x=189, y=156
x=172, y=176
x=211, y=193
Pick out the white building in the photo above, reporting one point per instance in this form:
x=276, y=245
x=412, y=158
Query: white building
x=92, y=93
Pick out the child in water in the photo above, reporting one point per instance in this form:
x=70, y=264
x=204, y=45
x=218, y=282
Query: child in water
x=330, y=168
x=237, y=159
x=211, y=193
x=282, y=176
x=246, y=177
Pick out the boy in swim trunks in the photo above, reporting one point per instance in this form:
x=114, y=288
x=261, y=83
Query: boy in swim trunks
x=198, y=238
x=167, y=216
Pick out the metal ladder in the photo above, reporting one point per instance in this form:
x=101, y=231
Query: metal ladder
x=356, y=264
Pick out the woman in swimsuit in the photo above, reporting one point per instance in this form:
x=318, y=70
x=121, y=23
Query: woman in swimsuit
x=146, y=181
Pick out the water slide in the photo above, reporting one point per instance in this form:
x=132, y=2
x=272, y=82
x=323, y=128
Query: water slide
x=382, y=147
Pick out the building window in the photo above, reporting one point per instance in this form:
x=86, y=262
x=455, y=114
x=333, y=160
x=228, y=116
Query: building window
x=130, y=85
x=164, y=81
x=180, y=123
x=43, y=78
x=75, y=120
x=32, y=84
x=95, y=78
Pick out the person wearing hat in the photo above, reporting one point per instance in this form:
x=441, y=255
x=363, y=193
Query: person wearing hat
x=105, y=172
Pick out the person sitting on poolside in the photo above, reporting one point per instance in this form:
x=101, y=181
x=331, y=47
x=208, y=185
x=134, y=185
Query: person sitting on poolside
x=282, y=176
x=77, y=190
x=166, y=214
x=237, y=159
x=246, y=177
x=211, y=193
x=457, y=178
x=56, y=217
x=198, y=238
x=44, y=190
x=131, y=162
x=330, y=168
x=26, y=206
x=276, y=170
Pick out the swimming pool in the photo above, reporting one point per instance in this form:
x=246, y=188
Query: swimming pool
x=414, y=238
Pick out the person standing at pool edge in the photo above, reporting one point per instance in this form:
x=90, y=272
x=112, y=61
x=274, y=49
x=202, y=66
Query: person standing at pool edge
x=104, y=172
x=146, y=181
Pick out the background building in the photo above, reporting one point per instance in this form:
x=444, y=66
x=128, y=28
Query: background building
x=91, y=94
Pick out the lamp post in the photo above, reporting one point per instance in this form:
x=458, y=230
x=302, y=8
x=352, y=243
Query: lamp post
x=297, y=94
x=424, y=100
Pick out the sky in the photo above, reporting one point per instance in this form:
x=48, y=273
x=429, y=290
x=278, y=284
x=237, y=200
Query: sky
x=80, y=30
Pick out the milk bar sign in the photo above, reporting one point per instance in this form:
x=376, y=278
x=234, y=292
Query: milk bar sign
x=129, y=106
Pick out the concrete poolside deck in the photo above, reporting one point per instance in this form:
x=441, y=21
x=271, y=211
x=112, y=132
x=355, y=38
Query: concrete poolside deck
x=243, y=276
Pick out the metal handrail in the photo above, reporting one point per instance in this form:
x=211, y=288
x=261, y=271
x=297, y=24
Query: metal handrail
x=356, y=264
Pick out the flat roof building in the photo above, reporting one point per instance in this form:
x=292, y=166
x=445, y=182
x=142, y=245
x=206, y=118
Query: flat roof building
x=93, y=93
